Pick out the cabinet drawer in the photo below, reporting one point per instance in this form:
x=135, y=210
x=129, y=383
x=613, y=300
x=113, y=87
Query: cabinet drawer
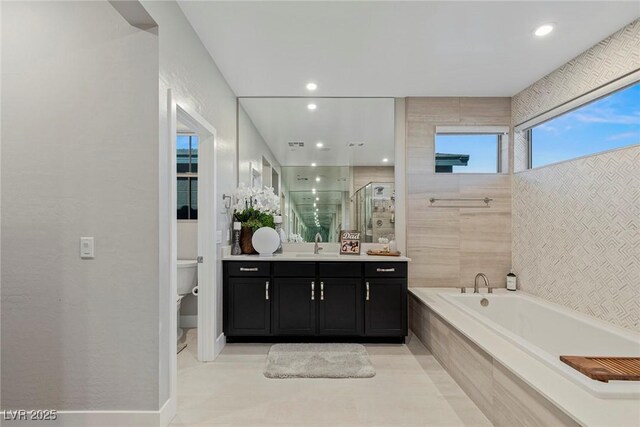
x=340, y=269
x=385, y=269
x=294, y=269
x=249, y=269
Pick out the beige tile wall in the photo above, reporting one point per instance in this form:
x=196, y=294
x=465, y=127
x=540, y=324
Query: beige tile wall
x=448, y=246
x=505, y=399
x=362, y=175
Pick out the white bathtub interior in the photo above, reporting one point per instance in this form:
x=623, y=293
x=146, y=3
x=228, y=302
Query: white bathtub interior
x=548, y=331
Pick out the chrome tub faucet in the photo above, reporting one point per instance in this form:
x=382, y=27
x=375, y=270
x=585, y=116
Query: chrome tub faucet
x=486, y=283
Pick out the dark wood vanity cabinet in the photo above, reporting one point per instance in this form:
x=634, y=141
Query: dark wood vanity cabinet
x=294, y=306
x=340, y=312
x=308, y=301
x=248, y=306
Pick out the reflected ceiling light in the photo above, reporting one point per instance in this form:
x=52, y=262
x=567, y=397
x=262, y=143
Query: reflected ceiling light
x=385, y=160
x=314, y=205
x=316, y=209
x=312, y=86
x=313, y=190
x=319, y=145
x=312, y=107
x=313, y=165
x=317, y=198
x=317, y=179
x=543, y=30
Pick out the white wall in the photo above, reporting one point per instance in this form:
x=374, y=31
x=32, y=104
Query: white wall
x=195, y=81
x=252, y=149
x=80, y=158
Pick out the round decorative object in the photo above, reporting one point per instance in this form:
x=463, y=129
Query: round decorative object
x=265, y=240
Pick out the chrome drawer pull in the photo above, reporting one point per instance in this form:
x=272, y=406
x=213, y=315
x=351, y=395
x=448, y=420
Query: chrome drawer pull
x=266, y=291
x=385, y=270
x=313, y=292
x=321, y=291
x=248, y=269
x=367, y=298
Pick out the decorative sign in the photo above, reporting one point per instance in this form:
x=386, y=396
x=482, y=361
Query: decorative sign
x=349, y=242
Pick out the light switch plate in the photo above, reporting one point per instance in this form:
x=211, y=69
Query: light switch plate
x=87, y=248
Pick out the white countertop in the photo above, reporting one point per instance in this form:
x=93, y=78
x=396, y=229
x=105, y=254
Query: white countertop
x=582, y=406
x=303, y=256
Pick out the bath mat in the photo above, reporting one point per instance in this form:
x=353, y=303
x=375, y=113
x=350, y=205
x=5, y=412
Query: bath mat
x=318, y=361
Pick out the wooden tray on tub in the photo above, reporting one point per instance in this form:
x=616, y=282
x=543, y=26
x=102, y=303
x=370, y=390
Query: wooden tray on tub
x=606, y=369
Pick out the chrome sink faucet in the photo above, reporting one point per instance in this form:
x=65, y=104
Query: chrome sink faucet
x=486, y=283
x=316, y=247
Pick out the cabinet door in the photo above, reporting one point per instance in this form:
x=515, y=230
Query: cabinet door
x=249, y=306
x=340, y=307
x=385, y=307
x=294, y=306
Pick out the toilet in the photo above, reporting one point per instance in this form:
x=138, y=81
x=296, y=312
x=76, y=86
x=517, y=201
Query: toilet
x=187, y=280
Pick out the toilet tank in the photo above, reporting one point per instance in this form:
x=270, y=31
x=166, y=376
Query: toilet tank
x=187, y=275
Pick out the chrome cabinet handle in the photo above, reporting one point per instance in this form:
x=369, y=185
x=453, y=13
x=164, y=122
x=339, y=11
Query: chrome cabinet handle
x=367, y=297
x=321, y=291
x=313, y=292
x=248, y=269
x=385, y=270
x=266, y=291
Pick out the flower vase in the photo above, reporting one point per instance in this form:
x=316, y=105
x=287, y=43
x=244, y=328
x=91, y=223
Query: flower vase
x=246, y=234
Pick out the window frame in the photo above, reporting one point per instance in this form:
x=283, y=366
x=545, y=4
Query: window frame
x=188, y=175
x=576, y=103
x=501, y=132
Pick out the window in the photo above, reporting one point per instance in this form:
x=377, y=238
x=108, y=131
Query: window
x=469, y=151
x=187, y=173
x=610, y=122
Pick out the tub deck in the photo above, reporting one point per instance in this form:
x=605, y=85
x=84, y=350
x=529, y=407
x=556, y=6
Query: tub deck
x=505, y=381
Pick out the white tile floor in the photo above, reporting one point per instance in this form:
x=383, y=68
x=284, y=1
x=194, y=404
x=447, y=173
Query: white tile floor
x=410, y=389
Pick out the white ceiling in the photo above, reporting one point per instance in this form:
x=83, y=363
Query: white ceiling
x=399, y=49
x=336, y=122
x=303, y=179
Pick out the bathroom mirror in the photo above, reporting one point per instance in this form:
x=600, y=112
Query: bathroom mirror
x=330, y=160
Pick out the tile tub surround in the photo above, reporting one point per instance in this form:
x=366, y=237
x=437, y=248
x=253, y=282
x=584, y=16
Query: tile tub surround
x=509, y=386
x=450, y=245
x=576, y=234
x=410, y=389
x=576, y=224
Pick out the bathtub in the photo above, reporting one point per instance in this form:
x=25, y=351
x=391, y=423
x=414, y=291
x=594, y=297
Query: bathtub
x=546, y=330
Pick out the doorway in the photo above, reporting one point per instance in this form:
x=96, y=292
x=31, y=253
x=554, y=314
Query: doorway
x=202, y=204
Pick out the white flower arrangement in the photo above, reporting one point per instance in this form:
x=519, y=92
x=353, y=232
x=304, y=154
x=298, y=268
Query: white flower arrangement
x=262, y=200
x=256, y=207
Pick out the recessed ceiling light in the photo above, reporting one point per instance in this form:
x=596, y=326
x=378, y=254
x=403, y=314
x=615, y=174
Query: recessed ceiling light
x=312, y=107
x=543, y=30
x=319, y=145
x=317, y=199
x=313, y=165
x=313, y=190
x=312, y=86
x=314, y=205
x=316, y=209
x=385, y=160
x=317, y=179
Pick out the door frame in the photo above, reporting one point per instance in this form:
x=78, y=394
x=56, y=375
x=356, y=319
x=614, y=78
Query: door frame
x=208, y=346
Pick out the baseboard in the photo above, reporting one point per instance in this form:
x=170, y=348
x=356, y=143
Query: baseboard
x=189, y=321
x=160, y=418
x=221, y=341
x=168, y=411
